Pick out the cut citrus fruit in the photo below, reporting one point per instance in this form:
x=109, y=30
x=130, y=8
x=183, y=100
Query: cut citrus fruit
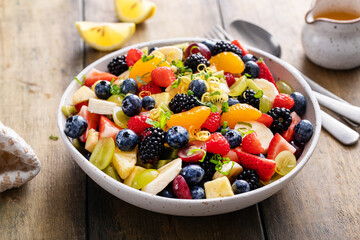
x=194, y=117
x=105, y=36
x=171, y=53
x=136, y=11
x=227, y=61
x=141, y=71
x=240, y=113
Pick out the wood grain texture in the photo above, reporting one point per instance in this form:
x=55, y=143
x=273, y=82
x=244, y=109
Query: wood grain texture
x=111, y=218
x=322, y=202
x=39, y=54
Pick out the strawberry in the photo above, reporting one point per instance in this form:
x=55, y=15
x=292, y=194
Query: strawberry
x=79, y=105
x=266, y=120
x=92, y=120
x=217, y=144
x=265, y=168
x=277, y=145
x=150, y=88
x=138, y=124
x=289, y=134
x=96, y=76
x=212, y=123
x=133, y=56
x=251, y=144
x=108, y=128
x=283, y=100
x=230, y=78
x=265, y=72
x=162, y=76
x=243, y=49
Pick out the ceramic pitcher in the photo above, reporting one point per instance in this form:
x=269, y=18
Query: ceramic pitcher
x=331, y=35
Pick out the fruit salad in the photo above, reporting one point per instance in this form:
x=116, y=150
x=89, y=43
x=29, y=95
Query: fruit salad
x=191, y=121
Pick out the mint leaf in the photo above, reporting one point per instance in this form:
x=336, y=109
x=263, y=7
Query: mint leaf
x=189, y=92
x=152, y=122
x=80, y=82
x=259, y=94
x=225, y=107
x=176, y=83
x=146, y=58
x=163, y=119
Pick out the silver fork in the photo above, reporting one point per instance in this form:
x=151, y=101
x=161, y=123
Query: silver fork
x=337, y=129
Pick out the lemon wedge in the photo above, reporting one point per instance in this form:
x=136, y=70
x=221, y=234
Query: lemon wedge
x=136, y=11
x=105, y=36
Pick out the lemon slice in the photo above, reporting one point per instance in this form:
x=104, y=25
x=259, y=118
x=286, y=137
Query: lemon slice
x=105, y=36
x=170, y=53
x=136, y=11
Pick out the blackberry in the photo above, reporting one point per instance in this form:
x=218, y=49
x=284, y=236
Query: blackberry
x=194, y=61
x=223, y=46
x=282, y=119
x=251, y=177
x=183, y=102
x=208, y=167
x=249, y=97
x=151, y=145
x=118, y=65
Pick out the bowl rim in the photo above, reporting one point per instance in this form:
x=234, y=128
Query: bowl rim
x=192, y=202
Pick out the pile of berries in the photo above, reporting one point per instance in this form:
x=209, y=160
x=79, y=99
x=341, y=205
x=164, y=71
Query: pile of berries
x=203, y=121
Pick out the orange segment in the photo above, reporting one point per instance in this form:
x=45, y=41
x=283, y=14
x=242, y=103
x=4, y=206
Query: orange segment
x=240, y=113
x=143, y=69
x=227, y=61
x=194, y=117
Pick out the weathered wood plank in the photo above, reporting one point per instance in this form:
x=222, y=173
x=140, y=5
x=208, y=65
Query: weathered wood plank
x=323, y=201
x=110, y=217
x=40, y=53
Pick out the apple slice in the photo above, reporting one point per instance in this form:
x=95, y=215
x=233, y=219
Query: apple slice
x=268, y=88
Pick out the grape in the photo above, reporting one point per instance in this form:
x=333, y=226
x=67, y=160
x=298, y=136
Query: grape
x=103, y=153
x=285, y=162
x=284, y=87
x=120, y=118
x=198, y=47
x=265, y=104
x=116, y=99
x=273, y=179
x=110, y=170
x=144, y=178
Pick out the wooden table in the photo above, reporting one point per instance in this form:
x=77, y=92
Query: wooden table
x=41, y=52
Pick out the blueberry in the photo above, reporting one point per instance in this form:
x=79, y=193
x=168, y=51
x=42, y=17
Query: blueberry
x=303, y=131
x=148, y=102
x=198, y=87
x=210, y=44
x=248, y=57
x=152, y=49
x=233, y=137
x=261, y=155
x=167, y=192
x=300, y=103
x=102, y=90
x=197, y=192
x=126, y=140
x=129, y=85
x=240, y=186
x=131, y=105
x=75, y=126
x=252, y=69
x=232, y=101
x=299, y=148
x=193, y=174
x=177, y=137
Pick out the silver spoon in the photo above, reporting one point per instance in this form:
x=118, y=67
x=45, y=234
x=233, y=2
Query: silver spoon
x=262, y=39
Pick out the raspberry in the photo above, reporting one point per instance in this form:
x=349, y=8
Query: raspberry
x=251, y=144
x=133, y=56
x=163, y=76
x=118, y=65
x=194, y=61
x=283, y=100
x=150, y=87
x=182, y=102
x=225, y=47
x=212, y=123
x=249, y=97
x=151, y=145
x=217, y=144
x=230, y=78
x=138, y=123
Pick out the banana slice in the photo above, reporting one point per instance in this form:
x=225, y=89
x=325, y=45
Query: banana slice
x=171, y=53
x=167, y=173
x=263, y=133
x=268, y=88
x=101, y=106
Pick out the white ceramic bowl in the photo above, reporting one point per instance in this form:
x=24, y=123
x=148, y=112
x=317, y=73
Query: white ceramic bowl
x=204, y=207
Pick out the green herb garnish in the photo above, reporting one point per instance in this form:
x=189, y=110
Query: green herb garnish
x=259, y=94
x=115, y=89
x=245, y=123
x=219, y=162
x=225, y=107
x=140, y=80
x=163, y=119
x=81, y=83
x=197, y=150
x=146, y=58
x=189, y=92
x=260, y=60
x=215, y=93
x=52, y=137
x=152, y=122
x=248, y=75
x=224, y=128
x=176, y=83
